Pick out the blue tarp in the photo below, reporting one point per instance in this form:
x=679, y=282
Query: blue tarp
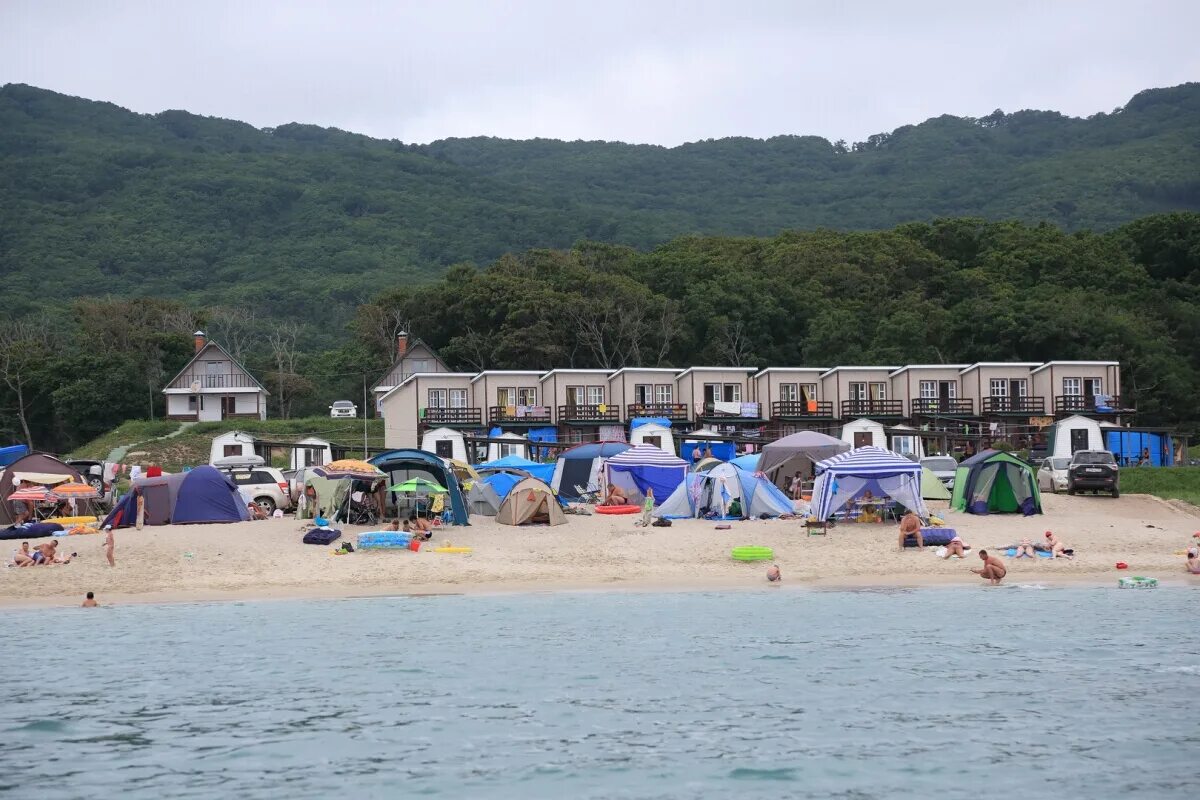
x=1128, y=445
x=10, y=454
x=207, y=495
x=543, y=472
x=542, y=435
x=721, y=450
x=638, y=422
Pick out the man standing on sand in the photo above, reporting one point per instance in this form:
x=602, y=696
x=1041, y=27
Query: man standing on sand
x=910, y=525
x=993, y=568
x=90, y=600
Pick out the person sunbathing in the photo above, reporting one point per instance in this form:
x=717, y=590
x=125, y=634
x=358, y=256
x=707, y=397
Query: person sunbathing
x=1025, y=549
x=1056, y=546
x=955, y=548
x=993, y=568
x=616, y=497
x=23, y=557
x=910, y=525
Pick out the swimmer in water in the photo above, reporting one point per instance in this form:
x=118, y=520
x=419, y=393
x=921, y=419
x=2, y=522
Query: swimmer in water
x=773, y=574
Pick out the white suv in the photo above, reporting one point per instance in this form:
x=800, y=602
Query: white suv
x=343, y=408
x=265, y=486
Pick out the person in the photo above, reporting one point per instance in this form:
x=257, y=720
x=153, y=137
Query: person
x=695, y=456
x=616, y=497
x=1193, y=561
x=256, y=511
x=22, y=511
x=1025, y=549
x=421, y=528
x=993, y=568
x=910, y=525
x=1056, y=546
x=708, y=451
x=90, y=600
x=109, y=546
x=23, y=557
x=647, y=508
x=797, y=487
x=1144, y=461
x=394, y=525
x=955, y=548
x=49, y=554
x=773, y=574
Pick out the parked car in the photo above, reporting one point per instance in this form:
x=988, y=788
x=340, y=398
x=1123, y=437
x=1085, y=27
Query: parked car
x=263, y=485
x=1052, y=474
x=1096, y=470
x=95, y=473
x=943, y=468
x=343, y=408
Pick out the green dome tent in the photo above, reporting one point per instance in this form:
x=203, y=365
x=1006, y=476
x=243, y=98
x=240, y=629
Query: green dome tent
x=995, y=482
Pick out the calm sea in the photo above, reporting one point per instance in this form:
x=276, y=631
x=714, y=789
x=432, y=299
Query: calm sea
x=942, y=693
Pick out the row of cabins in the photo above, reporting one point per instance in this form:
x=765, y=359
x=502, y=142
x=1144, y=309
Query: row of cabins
x=419, y=393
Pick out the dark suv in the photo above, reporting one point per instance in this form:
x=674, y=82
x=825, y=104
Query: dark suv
x=1096, y=470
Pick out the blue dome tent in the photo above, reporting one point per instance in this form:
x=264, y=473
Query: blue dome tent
x=401, y=465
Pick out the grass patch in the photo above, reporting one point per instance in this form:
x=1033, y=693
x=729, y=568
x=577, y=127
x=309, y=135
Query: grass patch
x=1174, y=483
x=129, y=432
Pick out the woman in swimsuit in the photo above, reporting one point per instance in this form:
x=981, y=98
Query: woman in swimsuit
x=955, y=548
x=1025, y=549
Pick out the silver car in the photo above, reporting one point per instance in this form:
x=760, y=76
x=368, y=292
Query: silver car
x=942, y=467
x=1052, y=474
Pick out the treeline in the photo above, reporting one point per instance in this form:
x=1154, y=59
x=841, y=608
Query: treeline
x=304, y=223
x=958, y=290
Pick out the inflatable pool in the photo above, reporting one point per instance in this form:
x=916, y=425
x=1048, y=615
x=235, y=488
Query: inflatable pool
x=617, y=509
x=384, y=540
x=1137, y=582
x=752, y=553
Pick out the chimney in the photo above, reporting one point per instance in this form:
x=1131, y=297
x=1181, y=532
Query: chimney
x=201, y=339
x=401, y=344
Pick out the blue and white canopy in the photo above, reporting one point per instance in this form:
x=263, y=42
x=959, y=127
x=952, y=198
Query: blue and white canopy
x=848, y=475
x=645, y=467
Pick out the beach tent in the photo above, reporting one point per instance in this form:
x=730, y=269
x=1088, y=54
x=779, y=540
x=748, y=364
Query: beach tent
x=653, y=431
x=1071, y=434
x=580, y=466
x=931, y=487
x=502, y=481
x=748, y=462
x=446, y=443
x=715, y=490
x=40, y=468
x=864, y=433
x=482, y=499
x=543, y=472
x=644, y=468
x=848, y=475
x=705, y=464
x=530, y=501
x=401, y=465
x=785, y=457
x=203, y=495
x=995, y=482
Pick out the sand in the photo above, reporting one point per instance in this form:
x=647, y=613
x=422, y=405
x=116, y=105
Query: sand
x=263, y=560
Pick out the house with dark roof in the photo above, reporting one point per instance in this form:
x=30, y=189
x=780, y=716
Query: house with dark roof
x=213, y=386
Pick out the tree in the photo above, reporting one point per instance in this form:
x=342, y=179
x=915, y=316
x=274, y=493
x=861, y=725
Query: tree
x=23, y=347
x=287, y=382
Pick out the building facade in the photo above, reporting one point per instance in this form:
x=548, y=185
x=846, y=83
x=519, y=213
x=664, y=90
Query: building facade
x=213, y=386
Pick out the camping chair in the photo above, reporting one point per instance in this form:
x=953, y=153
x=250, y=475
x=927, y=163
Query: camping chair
x=588, y=496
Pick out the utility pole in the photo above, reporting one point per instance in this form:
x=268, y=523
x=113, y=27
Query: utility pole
x=364, y=416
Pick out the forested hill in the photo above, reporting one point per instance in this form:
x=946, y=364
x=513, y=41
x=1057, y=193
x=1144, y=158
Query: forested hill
x=308, y=222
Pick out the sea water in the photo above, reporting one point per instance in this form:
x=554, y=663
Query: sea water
x=871, y=694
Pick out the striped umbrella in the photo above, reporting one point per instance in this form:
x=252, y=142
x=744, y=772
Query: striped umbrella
x=75, y=491
x=34, y=494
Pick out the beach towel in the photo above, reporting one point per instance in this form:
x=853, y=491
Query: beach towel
x=1012, y=551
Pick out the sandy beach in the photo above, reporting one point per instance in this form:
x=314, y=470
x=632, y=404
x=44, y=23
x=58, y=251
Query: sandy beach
x=263, y=560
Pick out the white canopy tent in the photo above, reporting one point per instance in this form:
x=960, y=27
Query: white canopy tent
x=849, y=475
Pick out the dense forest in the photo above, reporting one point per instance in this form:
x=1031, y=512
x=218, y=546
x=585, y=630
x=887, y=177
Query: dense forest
x=954, y=290
x=306, y=224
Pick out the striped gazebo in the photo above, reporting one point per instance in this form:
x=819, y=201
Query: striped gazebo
x=845, y=476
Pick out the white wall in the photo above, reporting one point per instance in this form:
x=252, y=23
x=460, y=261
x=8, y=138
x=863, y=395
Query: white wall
x=458, y=446
x=878, y=439
x=324, y=453
x=244, y=441
x=1062, y=435
x=517, y=448
x=665, y=440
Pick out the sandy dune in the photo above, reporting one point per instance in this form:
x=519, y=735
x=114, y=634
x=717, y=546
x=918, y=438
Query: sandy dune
x=267, y=559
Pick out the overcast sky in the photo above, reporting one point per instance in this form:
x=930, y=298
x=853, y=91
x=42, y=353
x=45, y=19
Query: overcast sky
x=645, y=71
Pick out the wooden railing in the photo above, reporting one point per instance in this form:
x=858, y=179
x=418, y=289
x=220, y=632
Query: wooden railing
x=533, y=414
x=672, y=411
x=226, y=380
x=452, y=416
x=1014, y=405
x=784, y=409
x=943, y=405
x=872, y=408
x=1078, y=403
x=589, y=413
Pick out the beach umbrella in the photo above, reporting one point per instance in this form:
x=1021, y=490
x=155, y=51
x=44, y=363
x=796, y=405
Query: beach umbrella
x=419, y=485
x=349, y=468
x=34, y=494
x=75, y=491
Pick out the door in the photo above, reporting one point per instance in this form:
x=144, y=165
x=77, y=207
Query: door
x=228, y=406
x=1079, y=440
x=574, y=396
x=444, y=448
x=863, y=439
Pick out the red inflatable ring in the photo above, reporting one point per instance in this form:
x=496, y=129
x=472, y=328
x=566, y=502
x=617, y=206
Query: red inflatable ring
x=617, y=509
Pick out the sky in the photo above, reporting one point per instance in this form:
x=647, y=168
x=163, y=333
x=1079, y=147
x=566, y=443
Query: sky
x=654, y=71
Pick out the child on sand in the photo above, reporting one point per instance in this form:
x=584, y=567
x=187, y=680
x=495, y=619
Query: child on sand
x=109, y=545
x=773, y=574
x=647, y=508
x=1193, y=561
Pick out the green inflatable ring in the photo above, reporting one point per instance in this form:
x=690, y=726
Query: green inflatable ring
x=752, y=553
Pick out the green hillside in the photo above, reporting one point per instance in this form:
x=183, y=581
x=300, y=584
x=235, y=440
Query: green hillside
x=305, y=222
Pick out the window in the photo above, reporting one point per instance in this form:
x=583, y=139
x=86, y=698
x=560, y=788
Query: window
x=1019, y=388
x=642, y=393
x=1072, y=387
x=507, y=450
x=458, y=398
x=879, y=391
x=1093, y=386
x=788, y=392
x=905, y=445
x=999, y=387
x=929, y=390
x=732, y=393
x=437, y=398
x=228, y=405
x=527, y=396
x=421, y=365
x=858, y=391
x=664, y=393
x=949, y=389
x=787, y=430
x=232, y=450
x=595, y=395
x=506, y=396
x=444, y=448
x=192, y=402
x=574, y=395
x=712, y=391
x=809, y=390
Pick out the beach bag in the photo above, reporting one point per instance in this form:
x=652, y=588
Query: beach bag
x=321, y=536
x=661, y=522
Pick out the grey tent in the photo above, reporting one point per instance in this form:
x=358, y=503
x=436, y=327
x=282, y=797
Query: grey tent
x=797, y=453
x=530, y=501
x=482, y=499
x=33, y=466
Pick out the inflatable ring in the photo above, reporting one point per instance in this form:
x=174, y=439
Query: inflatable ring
x=452, y=549
x=752, y=553
x=1137, y=582
x=617, y=509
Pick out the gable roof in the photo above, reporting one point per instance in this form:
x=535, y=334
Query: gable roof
x=232, y=360
x=414, y=344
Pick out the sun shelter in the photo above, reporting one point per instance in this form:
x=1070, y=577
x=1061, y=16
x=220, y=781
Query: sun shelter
x=482, y=499
x=39, y=468
x=543, y=472
x=850, y=475
x=785, y=457
x=645, y=468
x=404, y=464
x=931, y=487
x=995, y=482
x=580, y=467
x=530, y=501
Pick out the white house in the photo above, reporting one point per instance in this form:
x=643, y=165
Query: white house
x=864, y=432
x=1076, y=433
x=655, y=434
x=233, y=444
x=213, y=386
x=445, y=443
x=314, y=453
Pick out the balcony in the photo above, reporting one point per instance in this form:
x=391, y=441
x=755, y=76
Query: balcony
x=952, y=406
x=802, y=409
x=1084, y=404
x=732, y=410
x=589, y=414
x=872, y=408
x=1014, y=405
x=467, y=417
x=676, y=412
x=227, y=380
x=519, y=415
